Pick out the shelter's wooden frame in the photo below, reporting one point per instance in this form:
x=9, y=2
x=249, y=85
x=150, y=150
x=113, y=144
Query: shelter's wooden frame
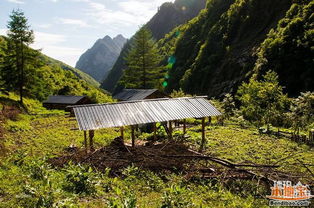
x=91, y=134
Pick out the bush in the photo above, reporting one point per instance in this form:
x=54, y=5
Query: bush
x=80, y=180
x=176, y=197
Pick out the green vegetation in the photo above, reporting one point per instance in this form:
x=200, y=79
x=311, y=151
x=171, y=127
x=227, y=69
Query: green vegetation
x=19, y=56
x=198, y=56
x=28, y=180
x=263, y=101
x=35, y=75
x=230, y=41
x=45, y=76
x=288, y=49
x=142, y=62
x=169, y=16
x=302, y=112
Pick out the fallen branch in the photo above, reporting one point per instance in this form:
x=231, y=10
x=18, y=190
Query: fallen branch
x=306, y=167
x=221, y=161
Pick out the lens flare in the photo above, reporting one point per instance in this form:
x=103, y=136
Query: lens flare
x=172, y=60
x=169, y=66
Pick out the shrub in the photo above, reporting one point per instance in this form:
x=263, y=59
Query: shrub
x=176, y=197
x=80, y=180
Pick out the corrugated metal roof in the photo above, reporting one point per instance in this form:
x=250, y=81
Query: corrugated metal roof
x=93, y=117
x=134, y=94
x=64, y=99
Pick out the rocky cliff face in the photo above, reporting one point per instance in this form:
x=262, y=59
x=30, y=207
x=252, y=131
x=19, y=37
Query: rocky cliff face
x=169, y=16
x=99, y=59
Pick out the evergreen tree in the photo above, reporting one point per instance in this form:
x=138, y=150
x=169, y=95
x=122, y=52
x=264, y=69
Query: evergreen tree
x=2, y=57
x=142, y=62
x=20, y=36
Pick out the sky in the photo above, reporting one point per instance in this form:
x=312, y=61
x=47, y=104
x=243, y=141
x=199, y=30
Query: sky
x=64, y=29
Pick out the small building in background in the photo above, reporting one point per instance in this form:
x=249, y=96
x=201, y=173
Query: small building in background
x=139, y=94
x=60, y=102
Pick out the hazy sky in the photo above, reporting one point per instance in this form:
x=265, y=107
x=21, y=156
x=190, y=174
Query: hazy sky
x=64, y=29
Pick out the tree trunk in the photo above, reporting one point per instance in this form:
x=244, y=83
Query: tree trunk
x=22, y=74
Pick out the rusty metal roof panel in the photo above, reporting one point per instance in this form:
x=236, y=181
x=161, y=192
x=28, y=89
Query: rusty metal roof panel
x=93, y=117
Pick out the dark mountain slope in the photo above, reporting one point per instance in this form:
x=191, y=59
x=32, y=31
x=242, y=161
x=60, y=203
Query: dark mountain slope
x=217, y=50
x=167, y=18
x=99, y=59
x=289, y=50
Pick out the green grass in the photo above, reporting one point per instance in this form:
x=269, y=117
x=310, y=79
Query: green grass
x=27, y=180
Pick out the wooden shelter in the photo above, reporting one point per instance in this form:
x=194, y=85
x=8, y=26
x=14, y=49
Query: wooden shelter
x=132, y=113
x=61, y=102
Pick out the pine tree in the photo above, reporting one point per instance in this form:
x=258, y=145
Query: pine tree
x=142, y=62
x=2, y=57
x=20, y=36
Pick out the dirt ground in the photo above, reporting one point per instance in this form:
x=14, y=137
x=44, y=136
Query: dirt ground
x=118, y=156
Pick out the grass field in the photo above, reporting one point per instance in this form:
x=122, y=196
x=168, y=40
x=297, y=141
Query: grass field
x=27, y=180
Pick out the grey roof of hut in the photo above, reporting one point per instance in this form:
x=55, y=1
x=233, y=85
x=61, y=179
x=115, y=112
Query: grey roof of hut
x=64, y=99
x=134, y=94
x=93, y=117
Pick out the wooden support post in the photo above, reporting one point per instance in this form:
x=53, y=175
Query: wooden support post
x=85, y=141
x=209, y=120
x=203, y=135
x=184, y=126
x=133, y=136
x=170, y=129
x=155, y=132
x=122, y=132
x=91, y=142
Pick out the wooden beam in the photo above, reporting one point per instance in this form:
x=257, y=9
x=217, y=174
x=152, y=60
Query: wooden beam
x=91, y=141
x=85, y=141
x=203, y=135
x=184, y=126
x=133, y=136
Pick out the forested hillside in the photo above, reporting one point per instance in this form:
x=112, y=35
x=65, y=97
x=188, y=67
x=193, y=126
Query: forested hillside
x=222, y=46
x=167, y=18
x=82, y=75
x=45, y=76
x=99, y=59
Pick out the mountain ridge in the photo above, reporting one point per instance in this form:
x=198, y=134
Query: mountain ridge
x=169, y=16
x=99, y=59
